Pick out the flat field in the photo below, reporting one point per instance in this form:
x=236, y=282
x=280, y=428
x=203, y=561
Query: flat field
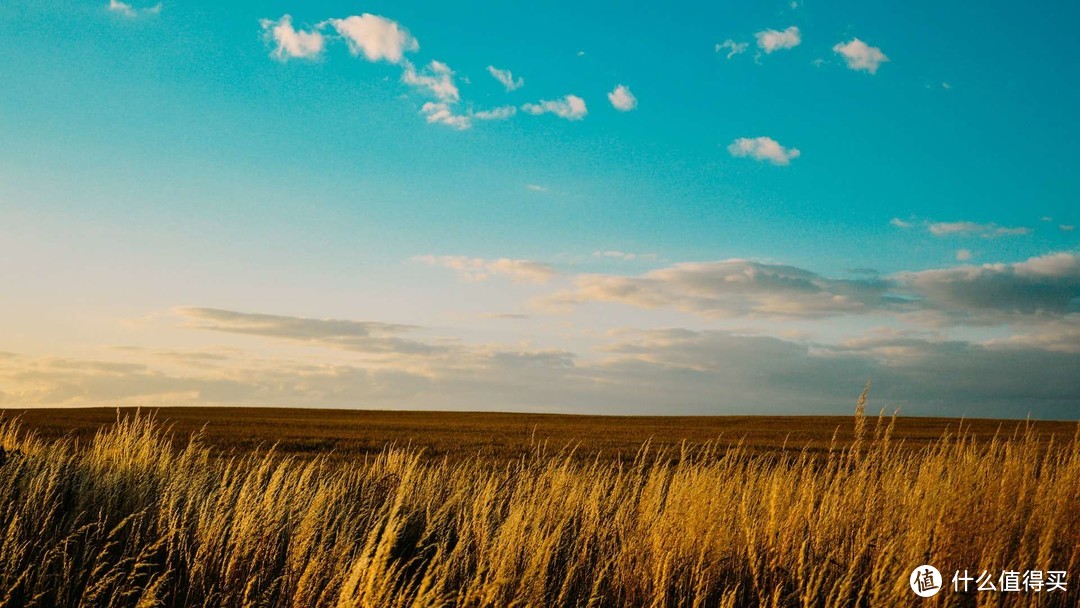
x=347, y=433
x=144, y=513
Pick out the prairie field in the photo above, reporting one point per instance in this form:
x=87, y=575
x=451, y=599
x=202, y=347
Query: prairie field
x=107, y=509
x=345, y=434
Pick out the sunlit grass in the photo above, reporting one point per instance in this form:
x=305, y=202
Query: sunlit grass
x=128, y=520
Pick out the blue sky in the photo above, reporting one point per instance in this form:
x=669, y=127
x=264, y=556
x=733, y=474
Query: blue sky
x=184, y=181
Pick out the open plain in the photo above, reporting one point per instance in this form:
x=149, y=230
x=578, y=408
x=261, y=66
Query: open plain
x=190, y=507
x=344, y=433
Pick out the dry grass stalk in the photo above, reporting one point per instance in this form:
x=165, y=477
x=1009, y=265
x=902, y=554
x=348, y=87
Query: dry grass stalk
x=129, y=521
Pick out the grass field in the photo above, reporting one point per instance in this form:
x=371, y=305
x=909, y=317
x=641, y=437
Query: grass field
x=348, y=433
x=130, y=516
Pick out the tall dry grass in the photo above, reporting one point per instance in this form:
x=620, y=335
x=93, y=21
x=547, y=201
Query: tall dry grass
x=130, y=521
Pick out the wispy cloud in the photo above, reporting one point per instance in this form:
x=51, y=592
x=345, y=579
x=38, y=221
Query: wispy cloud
x=291, y=43
x=763, y=149
x=689, y=371
x=376, y=38
x=733, y=48
x=506, y=78
x=1059, y=335
x=775, y=40
x=442, y=112
x=536, y=187
x=624, y=255
x=505, y=316
x=963, y=255
x=988, y=231
x=622, y=99
x=129, y=11
x=499, y=113
x=729, y=289
x=445, y=113
x=436, y=78
x=861, y=56
x=358, y=336
x=80, y=382
x=913, y=371
x=570, y=107
x=1047, y=286
x=963, y=228
x=480, y=269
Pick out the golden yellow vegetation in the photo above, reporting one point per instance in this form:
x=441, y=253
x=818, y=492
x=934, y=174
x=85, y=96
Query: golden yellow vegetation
x=129, y=520
x=502, y=436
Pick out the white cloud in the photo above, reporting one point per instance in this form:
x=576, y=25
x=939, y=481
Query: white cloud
x=500, y=113
x=733, y=48
x=359, y=336
x=1067, y=227
x=623, y=255
x=729, y=289
x=437, y=78
x=963, y=255
x=1061, y=335
x=570, y=107
x=378, y=38
x=763, y=148
x=536, y=188
x=947, y=228
x=631, y=371
x=289, y=42
x=1033, y=291
x=1043, y=286
x=506, y=78
x=480, y=269
x=127, y=10
x=622, y=98
x=442, y=113
x=1005, y=231
x=986, y=231
x=121, y=8
x=861, y=56
x=775, y=40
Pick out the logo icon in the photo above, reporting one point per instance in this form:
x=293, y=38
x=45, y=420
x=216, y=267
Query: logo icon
x=925, y=581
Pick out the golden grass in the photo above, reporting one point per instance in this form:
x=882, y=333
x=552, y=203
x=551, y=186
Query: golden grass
x=348, y=434
x=129, y=520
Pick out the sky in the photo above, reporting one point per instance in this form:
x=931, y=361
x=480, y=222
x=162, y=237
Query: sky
x=674, y=208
